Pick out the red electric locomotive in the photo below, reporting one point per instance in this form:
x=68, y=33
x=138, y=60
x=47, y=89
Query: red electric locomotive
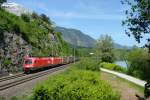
x=32, y=63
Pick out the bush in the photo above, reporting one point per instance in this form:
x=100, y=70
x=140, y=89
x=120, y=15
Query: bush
x=112, y=66
x=75, y=85
x=25, y=17
x=139, y=60
x=104, y=48
x=7, y=62
x=88, y=64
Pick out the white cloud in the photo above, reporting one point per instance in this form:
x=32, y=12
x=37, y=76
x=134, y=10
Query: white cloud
x=90, y=16
x=84, y=10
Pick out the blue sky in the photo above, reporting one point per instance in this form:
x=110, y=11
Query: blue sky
x=93, y=17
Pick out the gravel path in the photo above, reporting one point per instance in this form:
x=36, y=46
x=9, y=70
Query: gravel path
x=127, y=77
x=25, y=88
x=124, y=88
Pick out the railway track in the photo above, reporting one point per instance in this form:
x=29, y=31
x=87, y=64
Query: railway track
x=11, y=77
x=30, y=77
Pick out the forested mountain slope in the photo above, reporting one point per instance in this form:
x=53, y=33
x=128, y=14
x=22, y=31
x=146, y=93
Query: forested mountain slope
x=76, y=37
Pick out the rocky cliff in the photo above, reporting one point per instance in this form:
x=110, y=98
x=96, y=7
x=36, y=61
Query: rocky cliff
x=12, y=49
x=22, y=35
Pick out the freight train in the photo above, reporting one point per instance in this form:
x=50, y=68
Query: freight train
x=34, y=63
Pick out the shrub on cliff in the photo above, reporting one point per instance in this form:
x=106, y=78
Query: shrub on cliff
x=35, y=30
x=25, y=17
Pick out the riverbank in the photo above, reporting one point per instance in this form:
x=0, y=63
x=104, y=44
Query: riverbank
x=127, y=77
x=124, y=87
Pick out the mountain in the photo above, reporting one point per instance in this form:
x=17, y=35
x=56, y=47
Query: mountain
x=75, y=37
x=15, y=8
x=119, y=46
x=72, y=36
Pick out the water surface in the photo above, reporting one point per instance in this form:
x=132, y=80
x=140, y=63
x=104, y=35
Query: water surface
x=121, y=63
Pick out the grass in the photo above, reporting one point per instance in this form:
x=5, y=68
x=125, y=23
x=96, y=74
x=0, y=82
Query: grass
x=75, y=84
x=134, y=86
x=81, y=82
x=112, y=66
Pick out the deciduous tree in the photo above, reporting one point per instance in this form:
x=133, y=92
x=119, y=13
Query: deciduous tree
x=138, y=19
x=104, y=48
x=138, y=25
x=46, y=19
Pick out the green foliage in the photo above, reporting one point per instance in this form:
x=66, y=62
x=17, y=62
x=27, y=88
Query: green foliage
x=138, y=19
x=46, y=19
x=112, y=66
x=88, y=64
x=138, y=22
x=85, y=52
x=104, y=49
x=14, y=98
x=120, y=54
x=35, y=15
x=139, y=60
x=35, y=31
x=2, y=98
x=25, y=17
x=30, y=31
x=7, y=62
x=75, y=85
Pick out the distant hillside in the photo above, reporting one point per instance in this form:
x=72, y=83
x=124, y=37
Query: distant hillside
x=75, y=37
x=119, y=46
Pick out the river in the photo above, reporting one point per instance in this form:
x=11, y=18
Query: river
x=121, y=63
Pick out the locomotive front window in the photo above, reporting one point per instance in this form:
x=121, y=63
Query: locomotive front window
x=28, y=61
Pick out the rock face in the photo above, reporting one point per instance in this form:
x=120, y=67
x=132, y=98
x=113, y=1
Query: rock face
x=12, y=50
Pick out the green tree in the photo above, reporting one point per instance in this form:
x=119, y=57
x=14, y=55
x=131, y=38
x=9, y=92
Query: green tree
x=104, y=48
x=25, y=17
x=138, y=19
x=139, y=63
x=35, y=15
x=46, y=19
x=138, y=25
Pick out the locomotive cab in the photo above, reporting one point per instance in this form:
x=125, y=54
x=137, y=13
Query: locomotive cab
x=28, y=64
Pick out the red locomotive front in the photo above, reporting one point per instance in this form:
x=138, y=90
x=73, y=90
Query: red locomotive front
x=32, y=63
x=28, y=64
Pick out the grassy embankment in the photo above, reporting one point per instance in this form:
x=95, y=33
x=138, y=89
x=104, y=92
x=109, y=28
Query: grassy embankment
x=81, y=82
x=117, y=68
x=128, y=83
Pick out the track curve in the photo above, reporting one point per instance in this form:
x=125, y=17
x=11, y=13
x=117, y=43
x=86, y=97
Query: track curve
x=11, y=77
x=30, y=77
